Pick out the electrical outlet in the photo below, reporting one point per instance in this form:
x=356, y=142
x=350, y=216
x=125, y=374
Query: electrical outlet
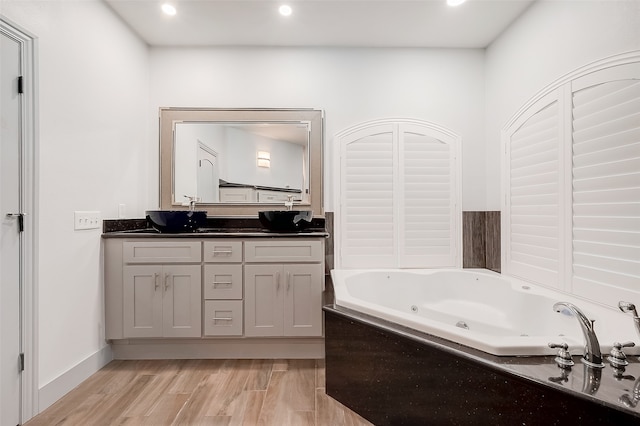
x=86, y=220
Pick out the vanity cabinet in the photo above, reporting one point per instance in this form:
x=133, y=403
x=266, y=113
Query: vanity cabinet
x=222, y=288
x=228, y=294
x=161, y=288
x=283, y=288
x=161, y=301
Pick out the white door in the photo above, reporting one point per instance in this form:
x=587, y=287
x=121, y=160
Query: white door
x=208, y=175
x=10, y=235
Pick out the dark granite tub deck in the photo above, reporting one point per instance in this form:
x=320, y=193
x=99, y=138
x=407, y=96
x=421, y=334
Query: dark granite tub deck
x=392, y=375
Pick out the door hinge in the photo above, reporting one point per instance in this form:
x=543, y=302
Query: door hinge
x=20, y=85
x=22, y=362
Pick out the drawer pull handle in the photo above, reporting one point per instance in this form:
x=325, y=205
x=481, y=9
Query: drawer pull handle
x=216, y=283
x=222, y=318
x=222, y=252
x=277, y=282
x=155, y=280
x=288, y=281
x=166, y=281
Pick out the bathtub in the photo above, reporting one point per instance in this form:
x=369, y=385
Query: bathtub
x=480, y=309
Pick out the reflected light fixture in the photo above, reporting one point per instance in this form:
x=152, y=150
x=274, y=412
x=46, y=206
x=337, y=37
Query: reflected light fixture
x=264, y=159
x=168, y=9
x=455, y=2
x=285, y=10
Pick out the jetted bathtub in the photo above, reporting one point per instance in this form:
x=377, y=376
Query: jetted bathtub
x=479, y=308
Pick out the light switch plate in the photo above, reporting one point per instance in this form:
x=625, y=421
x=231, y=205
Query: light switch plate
x=86, y=220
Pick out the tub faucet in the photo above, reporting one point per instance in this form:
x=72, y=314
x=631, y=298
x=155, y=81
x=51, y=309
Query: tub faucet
x=592, y=356
x=630, y=307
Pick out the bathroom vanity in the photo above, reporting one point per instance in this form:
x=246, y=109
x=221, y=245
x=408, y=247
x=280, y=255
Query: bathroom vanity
x=223, y=293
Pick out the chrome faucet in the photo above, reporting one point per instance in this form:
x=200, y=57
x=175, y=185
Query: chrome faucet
x=289, y=203
x=192, y=201
x=592, y=356
x=630, y=307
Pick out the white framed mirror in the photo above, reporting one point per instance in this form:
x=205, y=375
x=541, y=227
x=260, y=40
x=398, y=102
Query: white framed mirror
x=236, y=162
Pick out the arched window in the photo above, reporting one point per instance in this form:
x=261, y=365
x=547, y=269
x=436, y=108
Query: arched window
x=571, y=214
x=398, y=202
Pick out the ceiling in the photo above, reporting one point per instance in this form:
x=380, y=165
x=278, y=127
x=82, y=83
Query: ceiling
x=362, y=23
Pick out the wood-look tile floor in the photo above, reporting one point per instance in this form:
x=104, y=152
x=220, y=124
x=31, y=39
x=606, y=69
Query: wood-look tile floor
x=202, y=392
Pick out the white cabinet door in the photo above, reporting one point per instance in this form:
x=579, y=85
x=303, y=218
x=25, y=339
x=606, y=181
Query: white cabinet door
x=263, y=300
x=303, y=300
x=142, y=301
x=162, y=301
x=182, y=301
x=283, y=300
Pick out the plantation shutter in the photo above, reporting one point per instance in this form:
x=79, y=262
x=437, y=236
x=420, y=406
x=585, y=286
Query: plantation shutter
x=427, y=203
x=606, y=184
x=398, y=196
x=367, y=165
x=533, y=194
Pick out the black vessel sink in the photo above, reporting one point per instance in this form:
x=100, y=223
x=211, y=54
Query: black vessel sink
x=285, y=220
x=174, y=221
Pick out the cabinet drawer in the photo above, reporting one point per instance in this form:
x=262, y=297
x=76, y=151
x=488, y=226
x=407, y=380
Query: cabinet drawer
x=223, y=318
x=187, y=251
x=222, y=281
x=224, y=251
x=263, y=251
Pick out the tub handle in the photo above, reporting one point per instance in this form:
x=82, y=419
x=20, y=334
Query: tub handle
x=563, y=359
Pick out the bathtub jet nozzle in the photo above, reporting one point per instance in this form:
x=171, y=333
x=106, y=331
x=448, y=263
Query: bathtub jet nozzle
x=592, y=355
x=628, y=307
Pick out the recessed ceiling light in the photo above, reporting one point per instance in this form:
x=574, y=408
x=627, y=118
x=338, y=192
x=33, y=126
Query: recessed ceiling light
x=168, y=9
x=455, y=2
x=285, y=10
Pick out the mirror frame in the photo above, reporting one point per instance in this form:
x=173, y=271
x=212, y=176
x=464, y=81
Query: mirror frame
x=171, y=115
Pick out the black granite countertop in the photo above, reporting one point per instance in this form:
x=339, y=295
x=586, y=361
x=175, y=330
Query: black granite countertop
x=607, y=386
x=237, y=227
x=215, y=232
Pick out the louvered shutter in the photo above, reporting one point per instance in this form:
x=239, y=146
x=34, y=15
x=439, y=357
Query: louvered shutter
x=427, y=199
x=367, y=174
x=606, y=184
x=533, y=194
x=398, y=196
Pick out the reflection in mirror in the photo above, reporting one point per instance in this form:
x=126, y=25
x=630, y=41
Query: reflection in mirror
x=241, y=161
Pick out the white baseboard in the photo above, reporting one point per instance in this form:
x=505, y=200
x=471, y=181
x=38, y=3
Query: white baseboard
x=254, y=348
x=60, y=386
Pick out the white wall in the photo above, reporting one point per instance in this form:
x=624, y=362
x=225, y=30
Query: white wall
x=553, y=38
x=94, y=151
x=352, y=85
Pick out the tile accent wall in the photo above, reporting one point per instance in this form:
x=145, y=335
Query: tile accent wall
x=328, y=248
x=481, y=240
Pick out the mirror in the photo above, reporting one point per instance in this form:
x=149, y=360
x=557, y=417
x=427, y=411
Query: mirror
x=237, y=162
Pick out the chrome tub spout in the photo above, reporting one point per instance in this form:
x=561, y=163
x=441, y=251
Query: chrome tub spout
x=592, y=355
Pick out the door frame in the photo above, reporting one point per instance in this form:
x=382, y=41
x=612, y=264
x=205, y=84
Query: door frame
x=28, y=206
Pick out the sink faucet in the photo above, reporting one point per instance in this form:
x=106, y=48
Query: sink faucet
x=289, y=203
x=192, y=201
x=630, y=307
x=592, y=355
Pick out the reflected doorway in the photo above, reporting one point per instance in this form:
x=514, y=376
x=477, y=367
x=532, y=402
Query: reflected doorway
x=208, y=175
